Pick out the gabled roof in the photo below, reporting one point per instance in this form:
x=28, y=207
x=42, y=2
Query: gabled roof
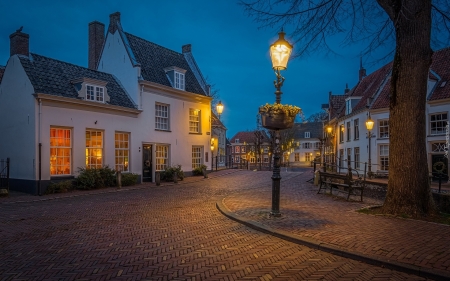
x=53, y=77
x=336, y=103
x=314, y=128
x=215, y=121
x=154, y=58
x=2, y=70
x=441, y=65
x=248, y=137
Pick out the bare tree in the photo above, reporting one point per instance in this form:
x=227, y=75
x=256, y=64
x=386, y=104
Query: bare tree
x=214, y=94
x=409, y=24
x=320, y=116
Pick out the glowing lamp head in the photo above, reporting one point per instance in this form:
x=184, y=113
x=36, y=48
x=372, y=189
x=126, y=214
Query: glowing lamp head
x=219, y=108
x=369, y=124
x=329, y=129
x=280, y=51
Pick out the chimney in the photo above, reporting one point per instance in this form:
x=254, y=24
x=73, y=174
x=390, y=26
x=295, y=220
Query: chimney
x=96, y=39
x=114, y=22
x=186, y=48
x=362, y=70
x=19, y=43
x=346, y=89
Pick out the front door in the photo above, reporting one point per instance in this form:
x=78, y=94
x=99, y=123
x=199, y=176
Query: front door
x=147, y=163
x=439, y=158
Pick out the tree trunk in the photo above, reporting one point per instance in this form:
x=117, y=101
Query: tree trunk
x=408, y=188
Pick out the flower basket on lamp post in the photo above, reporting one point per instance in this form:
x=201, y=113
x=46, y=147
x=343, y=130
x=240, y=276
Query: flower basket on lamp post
x=278, y=116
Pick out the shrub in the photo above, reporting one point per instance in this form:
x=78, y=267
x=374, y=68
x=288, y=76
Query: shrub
x=199, y=170
x=129, y=179
x=167, y=174
x=59, y=187
x=95, y=178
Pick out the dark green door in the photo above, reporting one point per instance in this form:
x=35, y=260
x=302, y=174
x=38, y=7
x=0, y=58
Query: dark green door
x=439, y=158
x=147, y=163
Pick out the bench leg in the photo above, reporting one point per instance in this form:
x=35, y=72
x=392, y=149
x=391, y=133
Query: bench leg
x=349, y=192
x=320, y=187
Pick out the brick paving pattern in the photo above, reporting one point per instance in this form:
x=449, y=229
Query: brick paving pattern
x=171, y=232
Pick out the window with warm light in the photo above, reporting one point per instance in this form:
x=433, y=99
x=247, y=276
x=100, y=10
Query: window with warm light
x=94, y=149
x=162, y=157
x=308, y=156
x=237, y=149
x=60, y=151
x=162, y=117
x=296, y=157
x=122, y=147
x=196, y=156
x=194, y=121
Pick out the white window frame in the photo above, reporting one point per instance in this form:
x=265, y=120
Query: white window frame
x=122, y=151
x=357, y=154
x=266, y=159
x=308, y=156
x=236, y=141
x=60, y=151
x=162, y=117
x=95, y=93
x=440, y=124
x=179, y=81
x=356, y=128
x=383, y=129
x=307, y=135
x=383, y=157
x=349, y=131
x=161, y=157
x=306, y=145
x=197, y=159
x=194, y=121
x=243, y=149
x=297, y=157
x=94, y=149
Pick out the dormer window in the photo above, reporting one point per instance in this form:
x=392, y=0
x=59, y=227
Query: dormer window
x=91, y=89
x=176, y=77
x=236, y=140
x=95, y=93
x=179, y=81
x=307, y=135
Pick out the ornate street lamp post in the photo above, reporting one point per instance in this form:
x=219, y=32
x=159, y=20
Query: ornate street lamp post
x=280, y=52
x=219, y=108
x=369, y=127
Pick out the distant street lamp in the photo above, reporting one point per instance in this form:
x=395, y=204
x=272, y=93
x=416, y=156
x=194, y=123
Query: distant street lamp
x=219, y=108
x=212, y=153
x=280, y=52
x=369, y=127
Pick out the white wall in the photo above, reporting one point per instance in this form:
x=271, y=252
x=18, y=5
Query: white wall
x=18, y=121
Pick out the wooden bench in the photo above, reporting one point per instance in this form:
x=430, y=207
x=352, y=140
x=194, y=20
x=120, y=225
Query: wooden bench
x=346, y=181
x=381, y=174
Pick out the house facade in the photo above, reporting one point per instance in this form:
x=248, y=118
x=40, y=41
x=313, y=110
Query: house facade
x=250, y=146
x=219, y=141
x=307, y=136
x=131, y=111
x=349, y=138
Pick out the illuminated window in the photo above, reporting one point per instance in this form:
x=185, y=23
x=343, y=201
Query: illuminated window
x=60, y=151
x=308, y=156
x=194, y=121
x=196, y=157
x=243, y=149
x=297, y=157
x=94, y=149
x=162, y=156
x=162, y=117
x=122, y=145
x=341, y=133
x=179, y=80
x=95, y=93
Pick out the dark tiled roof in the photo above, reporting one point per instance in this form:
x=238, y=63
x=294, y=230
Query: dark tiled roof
x=336, y=103
x=315, y=129
x=382, y=100
x=248, y=137
x=216, y=121
x=2, y=70
x=371, y=85
x=154, y=58
x=441, y=65
x=53, y=77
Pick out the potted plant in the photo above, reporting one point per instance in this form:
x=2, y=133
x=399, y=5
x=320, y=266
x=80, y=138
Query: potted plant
x=278, y=116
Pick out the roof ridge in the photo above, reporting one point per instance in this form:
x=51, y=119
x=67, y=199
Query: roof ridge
x=127, y=33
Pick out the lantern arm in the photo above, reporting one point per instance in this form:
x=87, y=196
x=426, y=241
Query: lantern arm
x=280, y=80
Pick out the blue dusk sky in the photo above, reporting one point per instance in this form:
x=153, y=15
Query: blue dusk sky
x=229, y=47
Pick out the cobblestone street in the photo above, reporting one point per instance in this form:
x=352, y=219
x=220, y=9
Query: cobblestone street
x=172, y=232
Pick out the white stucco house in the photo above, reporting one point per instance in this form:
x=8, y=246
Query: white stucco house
x=349, y=112
x=139, y=108
x=307, y=136
x=219, y=137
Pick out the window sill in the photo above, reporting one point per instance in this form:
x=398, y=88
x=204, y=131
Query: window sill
x=160, y=130
x=190, y=133
x=436, y=135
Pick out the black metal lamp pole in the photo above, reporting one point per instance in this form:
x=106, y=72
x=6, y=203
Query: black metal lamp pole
x=276, y=176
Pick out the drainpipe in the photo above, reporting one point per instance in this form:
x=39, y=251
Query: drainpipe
x=40, y=147
x=140, y=98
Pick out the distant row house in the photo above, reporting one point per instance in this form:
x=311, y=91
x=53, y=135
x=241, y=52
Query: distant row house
x=250, y=146
x=138, y=108
x=307, y=140
x=370, y=97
